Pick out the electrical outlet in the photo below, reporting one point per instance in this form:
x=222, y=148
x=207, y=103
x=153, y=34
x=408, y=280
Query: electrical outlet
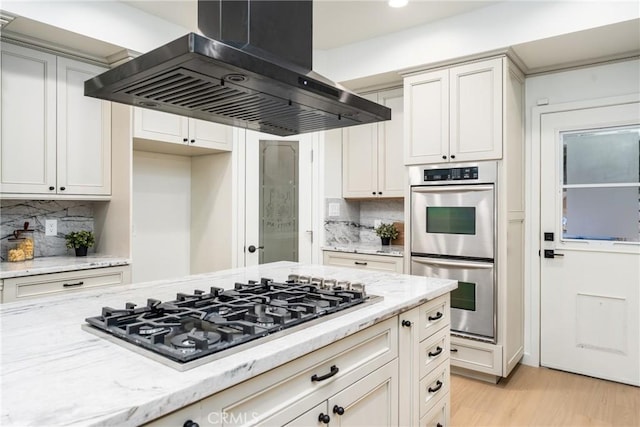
x=50, y=227
x=334, y=209
x=377, y=223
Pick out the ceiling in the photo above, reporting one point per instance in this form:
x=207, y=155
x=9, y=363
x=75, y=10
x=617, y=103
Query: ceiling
x=333, y=20
x=341, y=22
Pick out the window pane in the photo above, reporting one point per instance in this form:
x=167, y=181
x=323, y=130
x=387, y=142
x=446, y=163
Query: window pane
x=602, y=213
x=278, y=201
x=602, y=156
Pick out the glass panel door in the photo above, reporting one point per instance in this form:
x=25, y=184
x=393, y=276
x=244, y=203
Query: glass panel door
x=279, y=176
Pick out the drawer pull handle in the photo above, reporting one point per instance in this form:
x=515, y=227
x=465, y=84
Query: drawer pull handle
x=436, y=353
x=324, y=418
x=436, y=388
x=334, y=370
x=454, y=350
x=338, y=410
x=438, y=316
x=406, y=323
x=359, y=263
x=71, y=285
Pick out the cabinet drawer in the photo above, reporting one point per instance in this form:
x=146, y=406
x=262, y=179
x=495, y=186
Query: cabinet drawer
x=368, y=262
x=439, y=415
x=50, y=284
x=434, y=315
x=433, y=350
x=476, y=355
x=433, y=387
x=289, y=389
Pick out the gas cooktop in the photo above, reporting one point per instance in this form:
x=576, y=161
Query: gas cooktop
x=195, y=328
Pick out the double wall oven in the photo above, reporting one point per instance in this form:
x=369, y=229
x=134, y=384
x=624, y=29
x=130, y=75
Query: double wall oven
x=453, y=236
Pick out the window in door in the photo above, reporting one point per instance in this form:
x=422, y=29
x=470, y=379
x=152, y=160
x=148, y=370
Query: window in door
x=601, y=184
x=278, y=205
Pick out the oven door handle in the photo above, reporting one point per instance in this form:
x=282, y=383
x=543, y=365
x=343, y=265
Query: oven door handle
x=452, y=263
x=442, y=188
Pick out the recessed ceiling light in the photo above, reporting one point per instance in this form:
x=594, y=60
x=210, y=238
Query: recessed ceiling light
x=398, y=3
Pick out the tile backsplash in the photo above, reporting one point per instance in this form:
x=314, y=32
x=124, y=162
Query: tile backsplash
x=356, y=219
x=70, y=216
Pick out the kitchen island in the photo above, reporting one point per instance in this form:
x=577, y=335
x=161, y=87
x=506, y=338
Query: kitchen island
x=55, y=373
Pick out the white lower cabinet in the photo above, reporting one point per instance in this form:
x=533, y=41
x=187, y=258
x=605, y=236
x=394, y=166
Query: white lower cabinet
x=40, y=285
x=371, y=378
x=393, y=264
x=477, y=356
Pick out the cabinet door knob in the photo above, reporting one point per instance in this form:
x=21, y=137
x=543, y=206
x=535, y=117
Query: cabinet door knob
x=444, y=157
x=62, y=188
x=324, y=418
x=193, y=141
x=52, y=188
x=185, y=139
x=373, y=192
x=406, y=323
x=190, y=423
x=453, y=156
x=338, y=410
x=379, y=192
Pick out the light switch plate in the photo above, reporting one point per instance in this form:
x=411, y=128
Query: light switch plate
x=50, y=227
x=334, y=209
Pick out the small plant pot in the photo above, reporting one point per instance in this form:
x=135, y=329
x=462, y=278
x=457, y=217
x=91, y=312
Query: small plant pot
x=81, y=251
x=385, y=240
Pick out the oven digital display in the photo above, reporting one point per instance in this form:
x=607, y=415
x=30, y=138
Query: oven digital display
x=464, y=298
x=451, y=220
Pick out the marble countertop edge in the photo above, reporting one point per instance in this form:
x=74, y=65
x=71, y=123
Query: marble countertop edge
x=59, y=264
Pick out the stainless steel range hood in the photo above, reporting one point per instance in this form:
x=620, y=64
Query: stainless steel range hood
x=251, y=69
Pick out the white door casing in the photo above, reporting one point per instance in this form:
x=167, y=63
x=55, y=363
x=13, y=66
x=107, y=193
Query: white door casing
x=251, y=199
x=590, y=295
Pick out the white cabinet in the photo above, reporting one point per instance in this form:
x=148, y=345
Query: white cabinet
x=424, y=364
x=372, y=163
x=454, y=114
x=55, y=141
x=395, y=372
x=40, y=285
x=364, y=261
x=168, y=133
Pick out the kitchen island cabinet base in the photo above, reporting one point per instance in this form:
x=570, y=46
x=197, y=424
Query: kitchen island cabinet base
x=364, y=379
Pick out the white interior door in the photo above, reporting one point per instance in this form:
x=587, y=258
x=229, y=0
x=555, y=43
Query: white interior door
x=278, y=198
x=590, y=202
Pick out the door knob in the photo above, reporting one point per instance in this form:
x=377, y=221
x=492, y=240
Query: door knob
x=550, y=253
x=252, y=248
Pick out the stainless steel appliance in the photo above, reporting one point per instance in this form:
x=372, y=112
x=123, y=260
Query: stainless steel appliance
x=453, y=236
x=251, y=68
x=195, y=328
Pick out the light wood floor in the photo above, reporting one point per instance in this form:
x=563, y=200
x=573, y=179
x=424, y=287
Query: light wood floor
x=543, y=397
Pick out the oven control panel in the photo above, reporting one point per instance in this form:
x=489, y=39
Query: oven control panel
x=451, y=174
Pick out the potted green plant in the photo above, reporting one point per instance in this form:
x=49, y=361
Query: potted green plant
x=80, y=241
x=386, y=232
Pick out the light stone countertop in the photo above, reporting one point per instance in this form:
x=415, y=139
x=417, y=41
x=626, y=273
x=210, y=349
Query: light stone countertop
x=367, y=248
x=55, y=373
x=58, y=264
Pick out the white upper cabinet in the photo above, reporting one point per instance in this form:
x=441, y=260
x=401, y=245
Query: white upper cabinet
x=372, y=154
x=454, y=114
x=84, y=133
x=173, y=134
x=55, y=141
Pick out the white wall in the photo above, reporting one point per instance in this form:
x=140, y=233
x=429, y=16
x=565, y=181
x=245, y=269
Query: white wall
x=588, y=83
x=495, y=27
x=161, y=216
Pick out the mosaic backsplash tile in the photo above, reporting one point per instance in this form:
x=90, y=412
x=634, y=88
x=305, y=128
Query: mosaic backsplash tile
x=71, y=216
x=356, y=219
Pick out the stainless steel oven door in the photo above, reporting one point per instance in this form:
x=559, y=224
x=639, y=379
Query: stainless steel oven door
x=454, y=220
x=473, y=303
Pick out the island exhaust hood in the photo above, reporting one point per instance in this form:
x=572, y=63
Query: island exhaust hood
x=251, y=69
